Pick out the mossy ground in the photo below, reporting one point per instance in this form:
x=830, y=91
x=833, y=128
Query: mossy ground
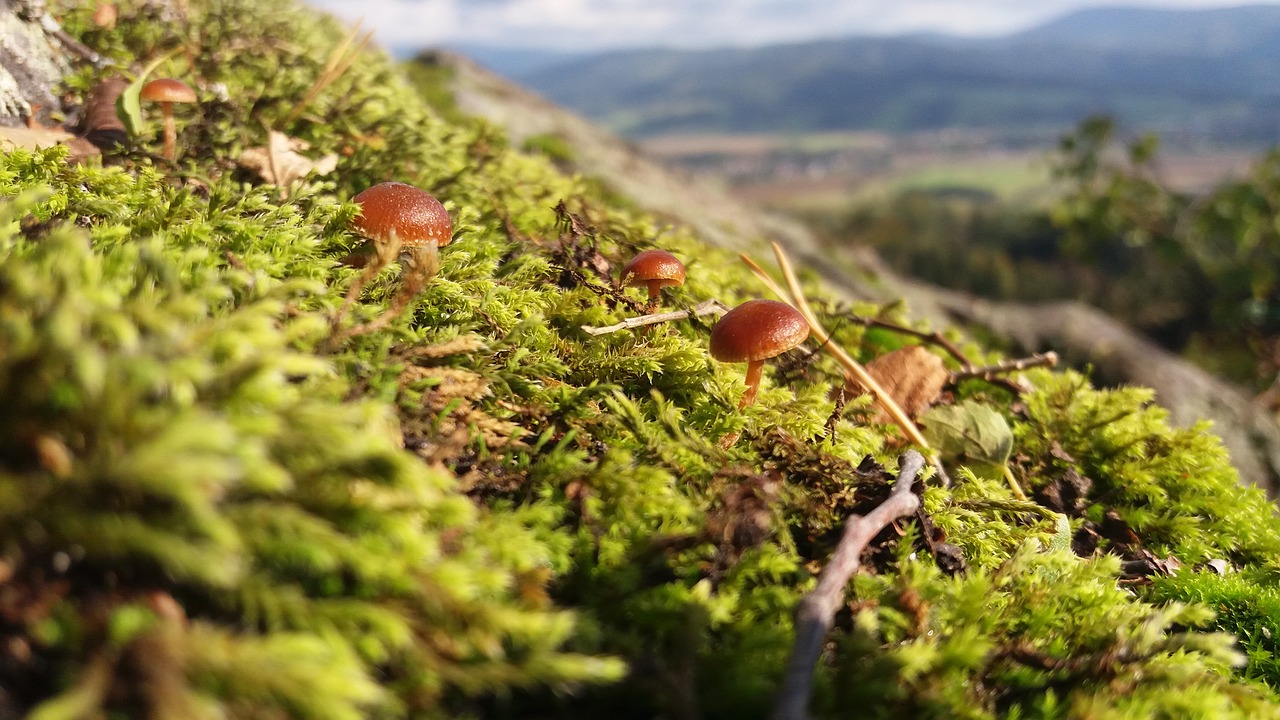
x=210, y=508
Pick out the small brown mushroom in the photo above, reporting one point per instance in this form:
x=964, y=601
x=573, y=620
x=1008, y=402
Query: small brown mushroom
x=168, y=91
x=754, y=332
x=395, y=215
x=412, y=216
x=654, y=269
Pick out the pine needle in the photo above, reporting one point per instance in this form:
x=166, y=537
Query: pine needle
x=340, y=60
x=853, y=369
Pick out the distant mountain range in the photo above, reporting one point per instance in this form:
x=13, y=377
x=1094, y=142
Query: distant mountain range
x=1211, y=74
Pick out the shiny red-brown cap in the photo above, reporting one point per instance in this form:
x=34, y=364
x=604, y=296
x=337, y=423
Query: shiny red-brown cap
x=653, y=266
x=416, y=217
x=756, y=330
x=168, y=90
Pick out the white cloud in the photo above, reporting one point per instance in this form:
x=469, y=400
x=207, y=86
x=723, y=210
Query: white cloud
x=594, y=24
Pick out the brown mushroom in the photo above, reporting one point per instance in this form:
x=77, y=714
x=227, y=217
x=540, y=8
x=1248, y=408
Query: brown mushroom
x=654, y=269
x=754, y=332
x=412, y=216
x=168, y=91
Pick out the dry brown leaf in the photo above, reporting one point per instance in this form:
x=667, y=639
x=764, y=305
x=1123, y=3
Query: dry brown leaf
x=81, y=150
x=452, y=382
x=281, y=161
x=101, y=123
x=464, y=344
x=913, y=377
x=105, y=15
x=31, y=138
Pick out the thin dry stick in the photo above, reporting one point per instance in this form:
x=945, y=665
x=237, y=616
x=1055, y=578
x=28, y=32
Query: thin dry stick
x=1004, y=367
x=816, y=613
x=932, y=338
x=706, y=307
x=852, y=367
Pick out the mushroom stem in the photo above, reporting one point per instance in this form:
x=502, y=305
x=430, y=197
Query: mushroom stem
x=424, y=260
x=655, y=296
x=170, y=131
x=755, y=369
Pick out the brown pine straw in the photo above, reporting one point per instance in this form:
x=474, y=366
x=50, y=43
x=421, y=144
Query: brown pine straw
x=340, y=60
x=853, y=369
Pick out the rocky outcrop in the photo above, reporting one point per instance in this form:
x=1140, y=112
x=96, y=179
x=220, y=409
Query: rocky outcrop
x=31, y=64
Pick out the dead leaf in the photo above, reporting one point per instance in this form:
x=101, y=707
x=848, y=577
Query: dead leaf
x=101, y=123
x=281, y=161
x=913, y=377
x=81, y=150
x=1067, y=494
x=34, y=138
x=31, y=138
x=105, y=15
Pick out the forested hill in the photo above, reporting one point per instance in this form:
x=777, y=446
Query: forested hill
x=1210, y=72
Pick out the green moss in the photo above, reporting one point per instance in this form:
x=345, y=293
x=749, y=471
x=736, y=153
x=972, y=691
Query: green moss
x=480, y=509
x=554, y=147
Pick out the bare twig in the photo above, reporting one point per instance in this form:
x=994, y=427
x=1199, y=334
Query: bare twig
x=54, y=30
x=931, y=338
x=603, y=291
x=1004, y=367
x=706, y=307
x=816, y=612
x=842, y=400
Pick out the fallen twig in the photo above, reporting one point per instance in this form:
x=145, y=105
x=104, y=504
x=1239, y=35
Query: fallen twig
x=54, y=30
x=931, y=338
x=1004, y=367
x=706, y=307
x=816, y=613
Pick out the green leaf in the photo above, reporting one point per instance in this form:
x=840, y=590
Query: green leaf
x=970, y=432
x=129, y=104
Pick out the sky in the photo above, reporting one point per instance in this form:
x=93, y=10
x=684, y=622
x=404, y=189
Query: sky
x=574, y=25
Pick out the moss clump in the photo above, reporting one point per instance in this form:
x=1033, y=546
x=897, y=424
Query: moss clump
x=480, y=509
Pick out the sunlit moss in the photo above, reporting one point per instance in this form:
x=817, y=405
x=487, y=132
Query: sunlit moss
x=483, y=510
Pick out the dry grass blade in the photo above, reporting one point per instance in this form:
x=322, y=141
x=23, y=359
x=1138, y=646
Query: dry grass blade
x=336, y=66
x=853, y=369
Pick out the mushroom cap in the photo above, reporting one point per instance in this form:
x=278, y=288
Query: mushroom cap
x=756, y=330
x=168, y=90
x=653, y=265
x=417, y=218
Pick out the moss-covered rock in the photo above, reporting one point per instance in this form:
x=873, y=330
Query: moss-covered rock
x=218, y=498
